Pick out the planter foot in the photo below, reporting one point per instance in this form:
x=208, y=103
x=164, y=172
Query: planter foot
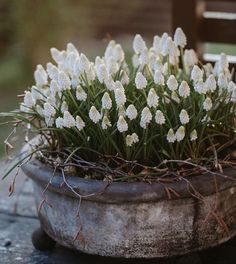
x=41, y=241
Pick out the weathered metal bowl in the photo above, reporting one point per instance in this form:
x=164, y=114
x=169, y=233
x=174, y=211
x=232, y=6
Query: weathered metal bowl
x=135, y=220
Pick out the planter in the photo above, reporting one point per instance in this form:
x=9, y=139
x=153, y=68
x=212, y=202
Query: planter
x=135, y=220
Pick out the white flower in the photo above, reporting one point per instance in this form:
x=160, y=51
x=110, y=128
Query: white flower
x=84, y=63
x=210, y=83
x=171, y=136
x=233, y=96
x=54, y=88
x=222, y=81
x=175, y=97
x=79, y=123
x=180, y=38
x=165, y=69
x=109, y=49
x=81, y=95
x=172, y=83
x=106, y=101
x=68, y=120
x=184, y=117
x=146, y=117
x=144, y=57
x=135, y=61
x=70, y=48
x=109, y=82
x=105, y=122
x=68, y=65
x=23, y=108
x=64, y=106
x=231, y=86
x=56, y=55
x=40, y=76
x=138, y=44
x=223, y=62
x=120, y=97
x=49, y=110
x=59, y=122
x=190, y=58
x=63, y=81
x=102, y=73
x=94, y=115
x=156, y=44
x=208, y=69
x=121, y=111
x=112, y=66
x=153, y=98
x=122, y=125
x=125, y=78
x=184, y=89
x=131, y=139
x=131, y=112
x=91, y=75
x=160, y=118
x=180, y=133
x=53, y=71
x=196, y=74
x=167, y=46
x=28, y=99
x=193, y=135
x=207, y=104
x=140, y=81
x=49, y=121
x=36, y=93
x=40, y=110
x=200, y=87
x=118, y=53
x=163, y=41
x=159, y=78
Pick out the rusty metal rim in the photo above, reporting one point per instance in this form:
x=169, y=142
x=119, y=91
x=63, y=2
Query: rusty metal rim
x=119, y=192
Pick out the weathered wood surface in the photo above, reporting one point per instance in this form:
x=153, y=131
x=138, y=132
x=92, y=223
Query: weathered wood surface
x=16, y=247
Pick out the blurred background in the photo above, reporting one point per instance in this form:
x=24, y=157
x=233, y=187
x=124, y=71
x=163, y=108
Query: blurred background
x=28, y=28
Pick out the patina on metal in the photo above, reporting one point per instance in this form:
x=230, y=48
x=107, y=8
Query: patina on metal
x=135, y=220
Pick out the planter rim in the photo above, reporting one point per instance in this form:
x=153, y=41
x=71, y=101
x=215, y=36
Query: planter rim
x=119, y=192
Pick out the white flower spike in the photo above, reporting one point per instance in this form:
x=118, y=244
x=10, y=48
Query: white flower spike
x=49, y=110
x=207, y=104
x=180, y=38
x=180, y=133
x=122, y=125
x=184, y=117
x=140, y=81
x=172, y=83
x=81, y=94
x=160, y=118
x=106, y=123
x=171, y=136
x=132, y=139
x=159, y=78
x=94, y=115
x=193, y=135
x=152, y=99
x=106, y=101
x=184, y=89
x=79, y=123
x=146, y=117
x=68, y=120
x=131, y=112
x=28, y=99
x=138, y=44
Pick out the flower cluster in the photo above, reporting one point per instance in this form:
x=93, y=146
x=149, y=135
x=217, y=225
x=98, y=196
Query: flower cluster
x=165, y=105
